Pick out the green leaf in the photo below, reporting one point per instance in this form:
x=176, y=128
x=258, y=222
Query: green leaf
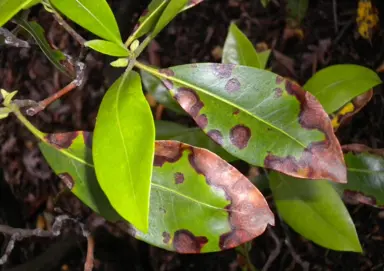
x=365, y=174
x=166, y=130
x=4, y=112
x=120, y=63
x=200, y=203
x=336, y=85
x=238, y=49
x=38, y=34
x=70, y=156
x=259, y=117
x=123, y=149
x=170, y=12
x=149, y=18
x=191, y=4
x=297, y=10
x=9, y=8
x=156, y=88
x=265, y=2
x=315, y=210
x=263, y=58
x=107, y=48
x=94, y=15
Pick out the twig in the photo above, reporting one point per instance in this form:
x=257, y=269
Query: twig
x=275, y=252
x=88, y=266
x=40, y=106
x=20, y=234
x=336, y=24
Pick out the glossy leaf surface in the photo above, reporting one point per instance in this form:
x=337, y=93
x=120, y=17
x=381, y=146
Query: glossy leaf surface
x=9, y=8
x=37, y=32
x=107, y=48
x=345, y=114
x=238, y=49
x=166, y=130
x=94, y=15
x=170, y=12
x=259, y=117
x=365, y=174
x=156, y=88
x=70, y=156
x=123, y=149
x=314, y=210
x=200, y=203
x=336, y=85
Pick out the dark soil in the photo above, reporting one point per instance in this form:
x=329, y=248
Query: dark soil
x=28, y=190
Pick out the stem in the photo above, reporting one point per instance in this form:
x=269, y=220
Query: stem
x=150, y=70
x=36, y=132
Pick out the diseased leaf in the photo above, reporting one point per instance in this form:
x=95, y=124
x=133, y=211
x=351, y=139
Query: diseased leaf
x=9, y=8
x=238, y=49
x=345, y=114
x=315, y=211
x=200, y=203
x=170, y=12
x=367, y=19
x=70, y=156
x=365, y=174
x=123, y=149
x=336, y=85
x=107, y=47
x=259, y=117
x=157, y=89
x=94, y=15
x=149, y=18
x=38, y=34
x=166, y=130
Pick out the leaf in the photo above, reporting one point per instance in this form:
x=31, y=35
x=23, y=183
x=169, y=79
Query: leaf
x=166, y=130
x=297, y=10
x=9, y=8
x=170, y=12
x=107, y=48
x=200, y=203
x=367, y=19
x=259, y=117
x=191, y=4
x=336, y=85
x=157, y=89
x=94, y=15
x=38, y=34
x=123, y=149
x=70, y=156
x=264, y=57
x=149, y=18
x=345, y=114
x=265, y=2
x=365, y=174
x=238, y=49
x=4, y=112
x=315, y=210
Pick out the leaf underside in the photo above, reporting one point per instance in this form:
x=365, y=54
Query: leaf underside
x=259, y=117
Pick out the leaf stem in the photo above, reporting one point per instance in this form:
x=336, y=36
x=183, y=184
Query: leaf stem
x=36, y=132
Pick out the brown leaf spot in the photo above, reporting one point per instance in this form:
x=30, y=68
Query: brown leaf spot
x=67, y=180
x=249, y=213
x=179, y=178
x=166, y=237
x=167, y=72
x=278, y=92
x=216, y=136
x=233, y=85
x=189, y=101
x=61, y=140
x=168, y=84
x=222, y=70
x=185, y=242
x=167, y=151
x=239, y=136
x=354, y=197
x=202, y=121
x=236, y=112
x=279, y=79
x=320, y=160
